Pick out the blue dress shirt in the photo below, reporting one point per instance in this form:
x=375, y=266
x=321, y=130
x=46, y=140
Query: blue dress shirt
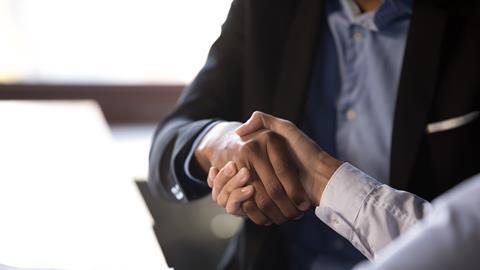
x=349, y=111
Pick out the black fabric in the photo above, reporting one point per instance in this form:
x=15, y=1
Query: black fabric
x=263, y=61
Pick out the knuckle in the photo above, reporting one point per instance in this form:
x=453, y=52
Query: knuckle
x=275, y=192
x=230, y=210
x=270, y=135
x=265, y=204
x=222, y=176
x=257, y=114
x=283, y=170
x=297, y=197
x=221, y=200
x=248, y=207
x=250, y=147
x=289, y=125
x=286, y=169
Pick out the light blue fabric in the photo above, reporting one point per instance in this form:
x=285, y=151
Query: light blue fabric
x=355, y=76
x=359, y=79
x=349, y=111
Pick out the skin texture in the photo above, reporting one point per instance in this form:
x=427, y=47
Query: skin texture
x=315, y=166
x=229, y=192
x=279, y=196
x=368, y=5
x=274, y=176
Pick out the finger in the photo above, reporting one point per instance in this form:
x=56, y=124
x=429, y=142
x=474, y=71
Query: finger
x=237, y=197
x=227, y=172
x=212, y=173
x=286, y=172
x=260, y=120
x=236, y=182
x=253, y=212
x=273, y=189
x=254, y=123
x=266, y=205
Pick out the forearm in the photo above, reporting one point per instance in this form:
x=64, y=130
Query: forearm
x=318, y=174
x=170, y=147
x=367, y=213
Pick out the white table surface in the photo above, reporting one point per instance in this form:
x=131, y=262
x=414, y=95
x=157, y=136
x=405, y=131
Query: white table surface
x=65, y=201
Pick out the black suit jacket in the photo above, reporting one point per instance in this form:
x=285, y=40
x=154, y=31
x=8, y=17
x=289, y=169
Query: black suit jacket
x=263, y=61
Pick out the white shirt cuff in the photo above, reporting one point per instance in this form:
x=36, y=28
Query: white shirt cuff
x=342, y=200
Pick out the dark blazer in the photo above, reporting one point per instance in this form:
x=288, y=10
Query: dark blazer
x=263, y=61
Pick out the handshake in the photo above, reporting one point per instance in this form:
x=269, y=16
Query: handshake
x=265, y=169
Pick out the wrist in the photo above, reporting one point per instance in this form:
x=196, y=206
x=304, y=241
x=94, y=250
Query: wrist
x=203, y=152
x=201, y=157
x=325, y=167
x=213, y=143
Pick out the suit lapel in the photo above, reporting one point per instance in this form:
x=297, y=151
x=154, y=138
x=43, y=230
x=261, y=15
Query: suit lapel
x=297, y=62
x=416, y=89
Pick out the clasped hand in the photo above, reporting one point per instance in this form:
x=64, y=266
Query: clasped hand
x=266, y=169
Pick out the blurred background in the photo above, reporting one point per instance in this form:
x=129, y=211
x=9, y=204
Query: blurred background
x=132, y=57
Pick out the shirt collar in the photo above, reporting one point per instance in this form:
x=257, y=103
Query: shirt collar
x=388, y=12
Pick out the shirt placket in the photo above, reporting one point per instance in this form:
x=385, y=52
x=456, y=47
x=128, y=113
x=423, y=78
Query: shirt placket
x=352, y=85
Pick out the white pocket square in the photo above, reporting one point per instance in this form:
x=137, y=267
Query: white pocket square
x=451, y=123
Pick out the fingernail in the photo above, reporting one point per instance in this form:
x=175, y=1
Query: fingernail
x=230, y=169
x=304, y=206
x=246, y=189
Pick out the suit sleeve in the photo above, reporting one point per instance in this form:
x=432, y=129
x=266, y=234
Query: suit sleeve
x=215, y=94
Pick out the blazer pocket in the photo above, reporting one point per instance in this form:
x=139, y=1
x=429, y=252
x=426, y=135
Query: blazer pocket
x=452, y=123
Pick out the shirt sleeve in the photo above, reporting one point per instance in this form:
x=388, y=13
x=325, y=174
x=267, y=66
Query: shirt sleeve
x=366, y=212
x=187, y=165
x=448, y=238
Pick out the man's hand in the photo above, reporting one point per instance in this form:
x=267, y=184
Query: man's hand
x=316, y=166
x=278, y=196
x=230, y=191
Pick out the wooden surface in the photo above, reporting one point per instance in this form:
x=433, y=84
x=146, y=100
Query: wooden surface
x=121, y=104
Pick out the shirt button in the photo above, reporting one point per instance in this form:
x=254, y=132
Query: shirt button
x=358, y=36
x=335, y=221
x=351, y=115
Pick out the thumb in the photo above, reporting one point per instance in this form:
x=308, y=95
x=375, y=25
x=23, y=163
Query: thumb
x=257, y=121
x=260, y=120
